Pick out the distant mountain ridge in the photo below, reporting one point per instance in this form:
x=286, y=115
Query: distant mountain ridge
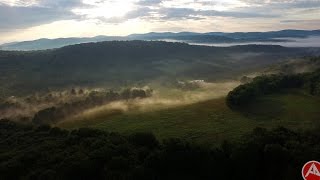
x=188, y=37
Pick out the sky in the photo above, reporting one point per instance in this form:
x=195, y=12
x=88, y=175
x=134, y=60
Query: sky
x=33, y=19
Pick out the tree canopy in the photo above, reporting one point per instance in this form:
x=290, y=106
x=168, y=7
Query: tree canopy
x=28, y=152
x=263, y=85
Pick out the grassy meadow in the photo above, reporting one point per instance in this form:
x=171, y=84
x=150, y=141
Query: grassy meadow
x=210, y=121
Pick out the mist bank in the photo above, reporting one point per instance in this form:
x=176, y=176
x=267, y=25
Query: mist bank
x=162, y=98
x=86, y=103
x=311, y=41
x=54, y=106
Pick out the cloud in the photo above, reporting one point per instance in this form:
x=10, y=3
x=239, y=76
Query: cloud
x=295, y=21
x=149, y=2
x=284, y=3
x=16, y=14
x=178, y=14
x=43, y=3
x=23, y=14
x=21, y=3
x=65, y=4
x=20, y=17
x=188, y=13
x=141, y=12
x=238, y=14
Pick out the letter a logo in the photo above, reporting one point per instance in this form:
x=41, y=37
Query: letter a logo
x=310, y=170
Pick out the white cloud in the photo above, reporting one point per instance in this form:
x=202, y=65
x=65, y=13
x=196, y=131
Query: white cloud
x=23, y=3
x=106, y=9
x=33, y=18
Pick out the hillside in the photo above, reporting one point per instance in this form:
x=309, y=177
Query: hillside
x=294, y=66
x=213, y=121
x=289, y=101
x=120, y=63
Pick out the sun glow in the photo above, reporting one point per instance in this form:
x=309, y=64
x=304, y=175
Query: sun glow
x=108, y=9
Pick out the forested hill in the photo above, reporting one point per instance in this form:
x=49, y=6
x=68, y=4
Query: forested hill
x=264, y=85
x=124, y=62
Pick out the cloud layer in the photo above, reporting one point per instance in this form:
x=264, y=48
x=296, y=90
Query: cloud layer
x=224, y=15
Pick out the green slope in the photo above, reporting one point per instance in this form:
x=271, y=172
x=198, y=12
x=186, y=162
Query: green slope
x=116, y=64
x=212, y=121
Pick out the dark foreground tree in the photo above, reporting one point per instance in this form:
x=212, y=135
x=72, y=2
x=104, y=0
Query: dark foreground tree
x=42, y=152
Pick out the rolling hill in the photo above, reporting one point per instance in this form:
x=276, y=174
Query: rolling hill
x=120, y=63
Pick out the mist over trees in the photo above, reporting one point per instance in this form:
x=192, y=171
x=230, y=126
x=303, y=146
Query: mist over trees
x=95, y=98
x=54, y=106
x=126, y=63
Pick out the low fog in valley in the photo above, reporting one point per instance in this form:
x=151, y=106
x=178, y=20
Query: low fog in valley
x=24, y=109
x=161, y=99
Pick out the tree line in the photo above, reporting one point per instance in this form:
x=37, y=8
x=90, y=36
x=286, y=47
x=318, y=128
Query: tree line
x=268, y=84
x=29, y=152
x=55, y=114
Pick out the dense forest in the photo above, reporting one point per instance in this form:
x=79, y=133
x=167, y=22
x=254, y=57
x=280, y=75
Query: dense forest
x=127, y=63
x=42, y=152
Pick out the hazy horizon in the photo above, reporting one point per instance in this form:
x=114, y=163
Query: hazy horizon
x=303, y=41
x=34, y=19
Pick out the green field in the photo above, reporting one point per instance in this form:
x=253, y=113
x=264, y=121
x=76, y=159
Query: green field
x=212, y=121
